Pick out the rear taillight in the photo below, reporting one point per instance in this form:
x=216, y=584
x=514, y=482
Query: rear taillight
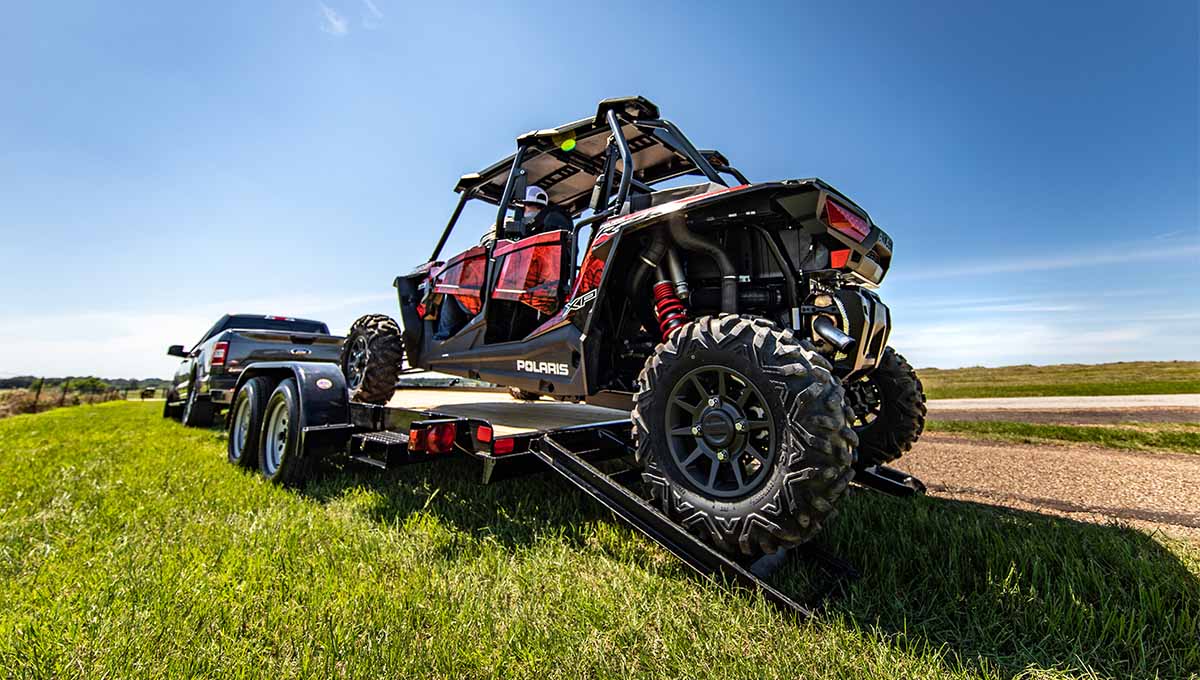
x=838, y=258
x=484, y=434
x=218, y=354
x=841, y=218
x=417, y=439
x=441, y=438
x=503, y=447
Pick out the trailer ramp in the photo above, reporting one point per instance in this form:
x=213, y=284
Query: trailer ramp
x=645, y=518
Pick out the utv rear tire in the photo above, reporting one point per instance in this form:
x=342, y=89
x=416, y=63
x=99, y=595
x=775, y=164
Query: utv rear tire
x=245, y=422
x=889, y=410
x=371, y=358
x=778, y=497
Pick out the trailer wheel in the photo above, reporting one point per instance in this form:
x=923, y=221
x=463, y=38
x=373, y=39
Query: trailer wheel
x=889, y=410
x=197, y=410
x=743, y=434
x=371, y=358
x=245, y=421
x=281, y=458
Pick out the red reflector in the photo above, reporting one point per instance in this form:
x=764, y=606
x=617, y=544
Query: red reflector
x=416, y=440
x=218, y=354
x=503, y=446
x=484, y=433
x=839, y=217
x=441, y=438
x=837, y=258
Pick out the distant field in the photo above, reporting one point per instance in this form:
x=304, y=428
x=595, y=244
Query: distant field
x=1178, y=437
x=129, y=547
x=1065, y=380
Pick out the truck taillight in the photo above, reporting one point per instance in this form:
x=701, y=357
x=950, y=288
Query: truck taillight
x=844, y=220
x=218, y=354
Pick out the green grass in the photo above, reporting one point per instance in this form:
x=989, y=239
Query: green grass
x=128, y=547
x=1065, y=380
x=1180, y=437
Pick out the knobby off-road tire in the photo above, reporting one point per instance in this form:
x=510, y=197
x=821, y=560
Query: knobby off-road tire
x=197, y=410
x=780, y=471
x=889, y=410
x=281, y=455
x=371, y=358
x=245, y=421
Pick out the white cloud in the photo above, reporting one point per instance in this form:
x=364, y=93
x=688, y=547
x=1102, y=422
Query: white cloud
x=332, y=22
x=1118, y=254
x=372, y=17
x=124, y=343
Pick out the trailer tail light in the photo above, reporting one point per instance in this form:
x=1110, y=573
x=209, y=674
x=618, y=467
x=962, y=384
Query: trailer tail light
x=504, y=446
x=440, y=438
x=483, y=433
x=218, y=354
x=417, y=440
x=844, y=220
x=838, y=258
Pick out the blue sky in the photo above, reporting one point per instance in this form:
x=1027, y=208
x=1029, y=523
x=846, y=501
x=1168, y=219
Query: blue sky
x=163, y=163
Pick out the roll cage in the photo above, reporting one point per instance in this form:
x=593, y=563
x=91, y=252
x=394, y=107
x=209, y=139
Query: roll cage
x=581, y=165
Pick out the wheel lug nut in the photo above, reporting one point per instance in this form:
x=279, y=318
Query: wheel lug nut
x=740, y=426
x=722, y=454
x=696, y=430
x=714, y=402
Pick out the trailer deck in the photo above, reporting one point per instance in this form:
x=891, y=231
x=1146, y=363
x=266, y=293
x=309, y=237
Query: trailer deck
x=507, y=416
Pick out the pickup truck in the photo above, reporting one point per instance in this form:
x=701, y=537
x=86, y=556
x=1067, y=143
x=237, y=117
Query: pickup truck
x=205, y=379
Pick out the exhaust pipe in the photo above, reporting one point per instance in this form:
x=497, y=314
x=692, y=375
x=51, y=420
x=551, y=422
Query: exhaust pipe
x=833, y=335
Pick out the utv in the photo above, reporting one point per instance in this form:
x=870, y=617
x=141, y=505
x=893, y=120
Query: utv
x=736, y=319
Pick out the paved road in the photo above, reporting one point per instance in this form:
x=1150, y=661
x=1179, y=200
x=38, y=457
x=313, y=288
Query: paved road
x=1038, y=403
x=1150, y=490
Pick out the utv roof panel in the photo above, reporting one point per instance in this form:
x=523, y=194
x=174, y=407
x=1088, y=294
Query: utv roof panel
x=567, y=176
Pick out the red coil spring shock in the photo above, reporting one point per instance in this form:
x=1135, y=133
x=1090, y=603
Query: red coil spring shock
x=669, y=309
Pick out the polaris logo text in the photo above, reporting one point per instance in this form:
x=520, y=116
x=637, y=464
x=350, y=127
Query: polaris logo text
x=546, y=367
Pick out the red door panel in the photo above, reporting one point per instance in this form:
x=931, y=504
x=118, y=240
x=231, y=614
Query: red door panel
x=462, y=277
x=531, y=271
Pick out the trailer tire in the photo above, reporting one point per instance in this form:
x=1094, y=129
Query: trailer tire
x=889, y=410
x=281, y=456
x=198, y=409
x=794, y=408
x=371, y=358
x=245, y=421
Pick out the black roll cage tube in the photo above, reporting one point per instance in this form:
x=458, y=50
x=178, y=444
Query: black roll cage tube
x=673, y=137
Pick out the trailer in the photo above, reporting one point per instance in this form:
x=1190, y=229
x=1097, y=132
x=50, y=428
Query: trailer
x=286, y=416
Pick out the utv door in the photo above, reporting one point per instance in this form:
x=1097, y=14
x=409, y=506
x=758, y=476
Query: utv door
x=530, y=284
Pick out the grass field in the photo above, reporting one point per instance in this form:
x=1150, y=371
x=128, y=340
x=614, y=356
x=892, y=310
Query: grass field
x=1065, y=380
x=1180, y=437
x=130, y=548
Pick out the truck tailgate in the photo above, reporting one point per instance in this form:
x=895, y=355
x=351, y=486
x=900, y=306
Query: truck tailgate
x=250, y=346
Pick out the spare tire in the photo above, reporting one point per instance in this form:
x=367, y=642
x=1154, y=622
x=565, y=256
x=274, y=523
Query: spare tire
x=743, y=434
x=371, y=358
x=889, y=410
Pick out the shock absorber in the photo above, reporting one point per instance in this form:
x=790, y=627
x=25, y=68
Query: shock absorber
x=668, y=308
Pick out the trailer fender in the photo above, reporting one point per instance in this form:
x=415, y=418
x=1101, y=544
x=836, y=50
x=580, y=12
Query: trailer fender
x=324, y=401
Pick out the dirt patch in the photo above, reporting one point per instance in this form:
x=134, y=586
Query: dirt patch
x=1150, y=490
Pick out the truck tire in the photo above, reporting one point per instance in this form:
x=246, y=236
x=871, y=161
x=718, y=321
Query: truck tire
x=281, y=456
x=889, y=410
x=245, y=421
x=371, y=358
x=198, y=409
x=743, y=434
x=172, y=410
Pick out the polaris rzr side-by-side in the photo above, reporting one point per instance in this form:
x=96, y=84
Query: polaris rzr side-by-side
x=737, y=319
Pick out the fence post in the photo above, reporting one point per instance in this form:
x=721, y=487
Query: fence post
x=38, y=394
x=63, y=399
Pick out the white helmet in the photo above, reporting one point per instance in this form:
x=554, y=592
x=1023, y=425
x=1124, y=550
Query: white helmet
x=536, y=196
